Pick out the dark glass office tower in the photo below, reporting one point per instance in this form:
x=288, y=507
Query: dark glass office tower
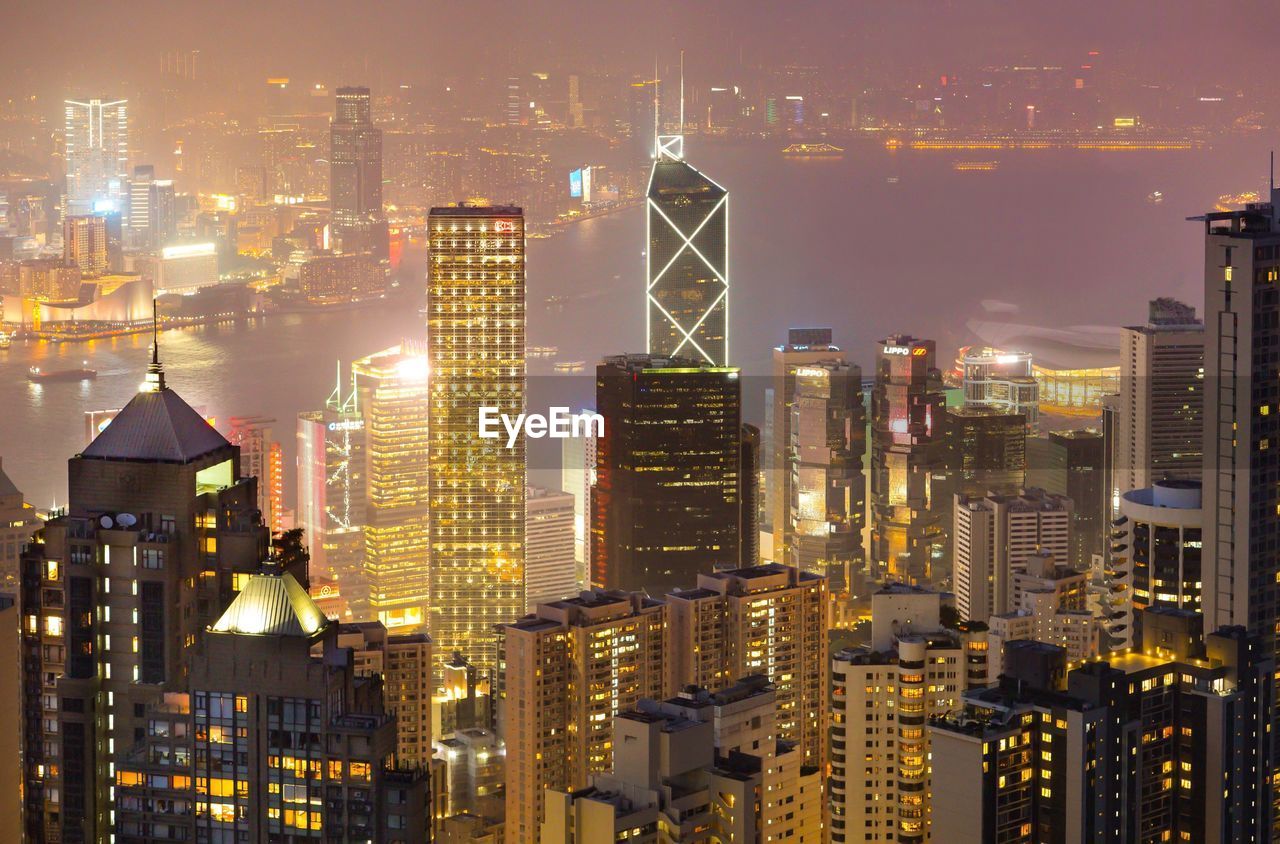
x=687, y=264
x=908, y=516
x=1242, y=425
x=986, y=450
x=355, y=175
x=666, y=504
x=159, y=534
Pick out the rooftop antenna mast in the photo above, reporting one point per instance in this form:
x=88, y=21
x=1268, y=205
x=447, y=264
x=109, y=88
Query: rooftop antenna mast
x=154, y=382
x=681, y=129
x=657, y=122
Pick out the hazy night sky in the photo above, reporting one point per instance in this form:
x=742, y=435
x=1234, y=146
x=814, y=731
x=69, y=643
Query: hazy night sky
x=46, y=48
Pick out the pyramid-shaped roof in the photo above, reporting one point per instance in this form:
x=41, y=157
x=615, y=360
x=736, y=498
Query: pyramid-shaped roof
x=678, y=176
x=7, y=487
x=272, y=605
x=159, y=426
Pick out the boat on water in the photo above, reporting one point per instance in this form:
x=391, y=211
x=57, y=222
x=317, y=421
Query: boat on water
x=40, y=376
x=821, y=150
x=570, y=366
x=5, y=340
x=974, y=166
x=1155, y=197
x=542, y=351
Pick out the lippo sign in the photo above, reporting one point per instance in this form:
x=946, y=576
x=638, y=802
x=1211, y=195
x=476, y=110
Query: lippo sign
x=559, y=424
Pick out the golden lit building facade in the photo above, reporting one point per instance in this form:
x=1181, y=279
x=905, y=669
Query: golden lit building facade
x=770, y=620
x=566, y=672
x=392, y=386
x=476, y=347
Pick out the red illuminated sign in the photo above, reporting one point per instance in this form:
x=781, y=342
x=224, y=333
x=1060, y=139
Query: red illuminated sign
x=507, y=226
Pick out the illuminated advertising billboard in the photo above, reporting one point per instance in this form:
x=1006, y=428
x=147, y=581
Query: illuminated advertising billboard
x=586, y=184
x=575, y=183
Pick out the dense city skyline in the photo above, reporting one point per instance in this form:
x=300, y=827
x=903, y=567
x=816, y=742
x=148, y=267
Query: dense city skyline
x=682, y=422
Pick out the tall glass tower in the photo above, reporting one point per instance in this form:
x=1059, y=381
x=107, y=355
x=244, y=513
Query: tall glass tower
x=687, y=260
x=355, y=175
x=97, y=151
x=476, y=348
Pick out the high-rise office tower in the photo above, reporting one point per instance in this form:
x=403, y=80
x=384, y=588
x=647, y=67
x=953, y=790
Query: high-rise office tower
x=752, y=492
x=738, y=781
x=263, y=458
x=1079, y=457
x=476, y=349
x=769, y=619
x=908, y=530
x=1241, y=421
x=355, y=175
x=332, y=466
x=393, y=393
x=275, y=737
x=1003, y=380
x=18, y=521
x=550, y=572
x=161, y=530
x=986, y=450
x=686, y=262
x=804, y=347
x=826, y=483
x=1156, y=745
x=566, y=672
x=882, y=696
x=993, y=538
x=84, y=243
x=97, y=150
x=405, y=665
x=666, y=503
x=1161, y=399
x=577, y=477
x=151, y=219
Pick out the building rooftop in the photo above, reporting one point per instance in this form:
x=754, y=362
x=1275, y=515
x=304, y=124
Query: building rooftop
x=272, y=605
x=7, y=487
x=465, y=210
x=672, y=176
x=156, y=426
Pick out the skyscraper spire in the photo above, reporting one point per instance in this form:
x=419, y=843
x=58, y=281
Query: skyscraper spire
x=154, y=382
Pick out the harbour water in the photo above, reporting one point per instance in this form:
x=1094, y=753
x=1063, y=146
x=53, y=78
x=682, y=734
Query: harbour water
x=883, y=242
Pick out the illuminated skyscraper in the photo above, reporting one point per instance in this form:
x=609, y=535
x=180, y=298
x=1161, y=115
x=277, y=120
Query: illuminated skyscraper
x=1241, y=424
x=882, y=696
x=263, y=458
x=567, y=671
x=826, y=484
x=393, y=394
x=150, y=222
x=97, y=150
x=908, y=530
x=687, y=260
x=804, y=346
x=331, y=487
x=286, y=740
x=355, y=175
x=476, y=347
x=1160, y=424
x=550, y=572
x=161, y=530
x=84, y=243
x=666, y=504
